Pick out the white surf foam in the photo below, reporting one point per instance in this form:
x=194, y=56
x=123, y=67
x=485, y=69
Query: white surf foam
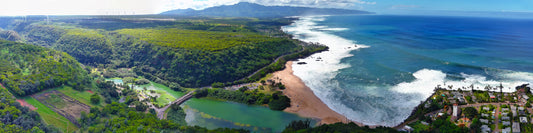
x=322, y=67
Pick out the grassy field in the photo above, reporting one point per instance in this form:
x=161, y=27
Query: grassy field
x=51, y=117
x=195, y=39
x=83, y=97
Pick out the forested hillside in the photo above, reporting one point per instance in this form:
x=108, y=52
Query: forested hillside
x=27, y=69
x=192, y=52
x=17, y=119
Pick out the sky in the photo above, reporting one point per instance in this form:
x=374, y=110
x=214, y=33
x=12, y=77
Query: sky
x=131, y=7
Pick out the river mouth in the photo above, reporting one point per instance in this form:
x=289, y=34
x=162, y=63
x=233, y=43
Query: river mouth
x=213, y=113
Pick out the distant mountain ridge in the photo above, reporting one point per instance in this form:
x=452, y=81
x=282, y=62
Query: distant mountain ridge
x=245, y=9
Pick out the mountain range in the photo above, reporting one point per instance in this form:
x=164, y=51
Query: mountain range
x=245, y=9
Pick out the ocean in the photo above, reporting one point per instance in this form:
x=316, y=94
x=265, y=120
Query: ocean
x=379, y=67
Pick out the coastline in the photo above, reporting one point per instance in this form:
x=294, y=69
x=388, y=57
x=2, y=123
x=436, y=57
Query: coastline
x=303, y=100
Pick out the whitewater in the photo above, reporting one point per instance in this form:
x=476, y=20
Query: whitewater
x=363, y=96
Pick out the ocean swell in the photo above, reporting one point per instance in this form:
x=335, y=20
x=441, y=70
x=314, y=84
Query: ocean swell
x=374, y=103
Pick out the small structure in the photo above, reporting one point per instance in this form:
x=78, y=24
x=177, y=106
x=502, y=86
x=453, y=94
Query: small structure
x=485, y=121
x=523, y=119
x=516, y=127
x=492, y=96
x=485, y=129
x=505, y=109
x=521, y=113
x=506, y=130
x=506, y=123
x=525, y=97
x=505, y=114
x=506, y=118
x=456, y=112
x=513, y=110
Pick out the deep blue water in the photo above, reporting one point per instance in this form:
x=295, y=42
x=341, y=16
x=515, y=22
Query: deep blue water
x=407, y=56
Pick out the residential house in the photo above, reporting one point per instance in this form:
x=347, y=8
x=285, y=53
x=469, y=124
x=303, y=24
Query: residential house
x=485, y=129
x=506, y=130
x=506, y=118
x=485, y=121
x=516, y=127
x=523, y=119
x=506, y=123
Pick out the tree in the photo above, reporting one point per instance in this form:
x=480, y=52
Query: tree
x=470, y=112
x=95, y=98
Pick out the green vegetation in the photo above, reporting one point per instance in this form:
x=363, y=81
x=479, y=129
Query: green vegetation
x=82, y=96
x=95, y=98
x=351, y=127
x=276, y=101
x=50, y=117
x=117, y=117
x=195, y=39
x=470, y=112
x=15, y=118
x=190, y=52
x=27, y=69
x=88, y=46
x=176, y=114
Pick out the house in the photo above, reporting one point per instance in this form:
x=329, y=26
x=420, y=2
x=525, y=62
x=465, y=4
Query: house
x=485, y=129
x=505, y=109
x=492, y=95
x=525, y=97
x=456, y=112
x=506, y=123
x=521, y=108
x=462, y=100
x=521, y=113
x=513, y=110
x=516, y=127
x=523, y=119
x=485, y=115
x=506, y=130
x=506, y=118
x=486, y=108
x=505, y=114
x=485, y=121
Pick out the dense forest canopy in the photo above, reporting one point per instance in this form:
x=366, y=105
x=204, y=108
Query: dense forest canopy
x=191, y=52
x=26, y=69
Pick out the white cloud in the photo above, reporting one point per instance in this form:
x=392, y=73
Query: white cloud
x=120, y=7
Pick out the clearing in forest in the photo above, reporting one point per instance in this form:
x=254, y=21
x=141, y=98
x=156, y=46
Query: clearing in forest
x=50, y=117
x=63, y=105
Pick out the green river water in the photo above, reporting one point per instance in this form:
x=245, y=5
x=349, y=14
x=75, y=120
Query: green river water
x=213, y=114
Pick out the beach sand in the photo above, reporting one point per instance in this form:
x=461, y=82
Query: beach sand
x=303, y=101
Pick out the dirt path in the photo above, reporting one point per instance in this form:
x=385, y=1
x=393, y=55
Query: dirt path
x=23, y=103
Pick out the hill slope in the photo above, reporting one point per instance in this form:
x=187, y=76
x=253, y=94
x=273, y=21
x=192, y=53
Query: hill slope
x=245, y=9
x=26, y=69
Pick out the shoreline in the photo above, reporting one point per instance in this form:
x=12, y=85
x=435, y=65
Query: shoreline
x=303, y=100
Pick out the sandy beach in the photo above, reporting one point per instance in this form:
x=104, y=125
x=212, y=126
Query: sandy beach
x=303, y=100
